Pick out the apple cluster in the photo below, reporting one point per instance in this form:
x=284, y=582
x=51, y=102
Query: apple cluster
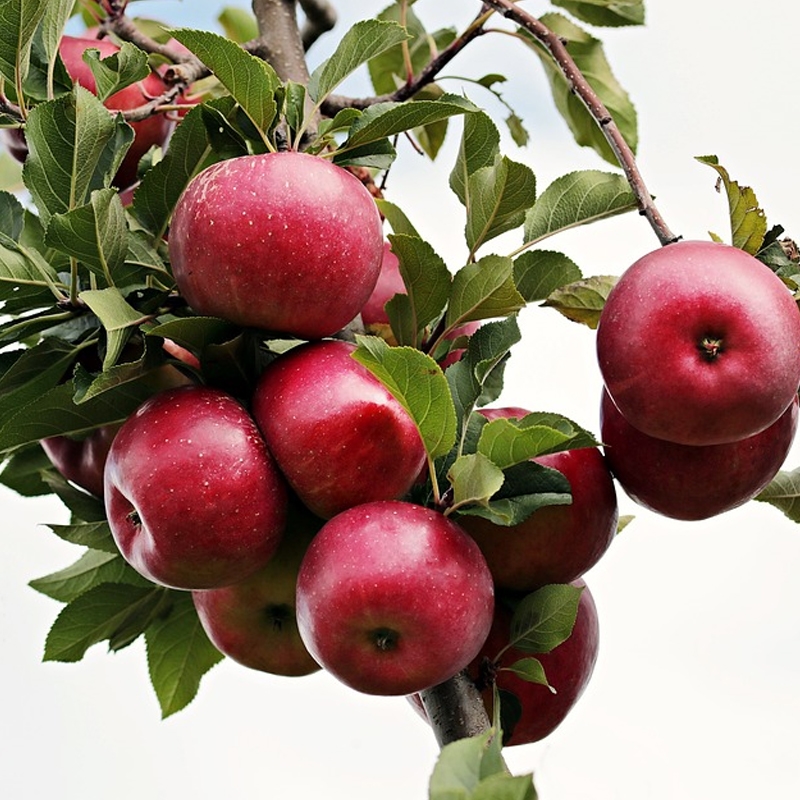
x=699, y=348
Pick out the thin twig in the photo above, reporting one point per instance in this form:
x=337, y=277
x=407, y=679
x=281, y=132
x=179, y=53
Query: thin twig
x=320, y=18
x=580, y=86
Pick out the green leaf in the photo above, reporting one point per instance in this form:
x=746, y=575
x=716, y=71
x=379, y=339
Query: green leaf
x=93, y=568
x=12, y=216
x=458, y=769
x=22, y=472
x=748, y=220
x=250, y=80
x=479, y=148
x=56, y=14
x=783, y=492
x=483, y=290
x=365, y=40
x=418, y=384
x=583, y=300
x=117, y=317
x=238, y=24
x=610, y=13
x=382, y=120
x=590, y=59
x=117, y=71
x=427, y=281
x=195, y=333
x=474, y=479
x=538, y=273
x=18, y=22
x=10, y=173
x=376, y=155
x=94, y=233
x=531, y=670
x=545, y=618
x=96, y=535
x=506, y=442
x=505, y=787
x=577, y=199
x=179, y=653
x=99, y=614
x=75, y=146
x=396, y=218
x=25, y=276
x=498, y=197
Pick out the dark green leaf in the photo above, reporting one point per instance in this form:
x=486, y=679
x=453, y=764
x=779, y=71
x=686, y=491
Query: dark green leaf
x=377, y=155
x=396, y=218
x=22, y=472
x=18, y=22
x=479, y=148
x=117, y=317
x=12, y=216
x=483, y=290
x=529, y=669
x=538, y=273
x=583, y=300
x=783, y=492
x=119, y=70
x=96, y=535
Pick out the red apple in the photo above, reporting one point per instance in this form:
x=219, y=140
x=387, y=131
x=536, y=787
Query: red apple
x=253, y=621
x=155, y=130
x=390, y=282
x=393, y=598
x=699, y=343
x=338, y=435
x=693, y=482
x=192, y=495
x=284, y=242
x=82, y=461
x=555, y=544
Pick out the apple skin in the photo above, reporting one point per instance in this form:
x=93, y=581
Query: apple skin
x=338, y=435
x=82, y=461
x=555, y=544
x=693, y=482
x=283, y=242
x=568, y=669
x=393, y=598
x=155, y=130
x=390, y=282
x=193, y=498
x=663, y=377
x=253, y=621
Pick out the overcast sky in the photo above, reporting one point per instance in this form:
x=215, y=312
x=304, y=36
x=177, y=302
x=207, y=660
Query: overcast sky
x=695, y=695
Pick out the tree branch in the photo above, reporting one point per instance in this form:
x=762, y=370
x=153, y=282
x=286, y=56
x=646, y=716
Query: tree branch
x=279, y=41
x=580, y=86
x=455, y=709
x=320, y=18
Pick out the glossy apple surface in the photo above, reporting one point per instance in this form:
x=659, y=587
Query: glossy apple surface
x=82, y=461
x=254, y=621
x=155, y=130
x=390, y=282
x=693, y=482
x=338, y=435
x=537, y=711
x=699, y=343
x=284, y=242
x=393, y=598
x=193, y=498
x=555, y=544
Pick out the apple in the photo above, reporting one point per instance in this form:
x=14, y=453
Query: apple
x=284, y=242
x=155, y=130
x=555, y=544
x=393, y=598
x=534, y=711
x=699, y=343
x=82, y=461
x=337, y=433
x=193, y=498
x=390, y=282
x=691, y=482
x=253, y=621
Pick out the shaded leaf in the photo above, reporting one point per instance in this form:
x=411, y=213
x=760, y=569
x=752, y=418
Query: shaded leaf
x=538, y=273
x=783, y=492
x=474, y=479
x=583, y=300
x=117, y=71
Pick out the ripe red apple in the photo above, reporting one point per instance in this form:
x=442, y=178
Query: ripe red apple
x=193, y=498
x=338, y=435
x=82, y=461
x=393, y=598
x=155, y=130
x=699, y=343
x=284, y=242
x=555, y=544
x=390, y=282
x=693, y=482
x=253, y=621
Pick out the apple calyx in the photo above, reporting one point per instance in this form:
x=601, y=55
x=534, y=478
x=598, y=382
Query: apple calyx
x=711, y=347
x=385, y=639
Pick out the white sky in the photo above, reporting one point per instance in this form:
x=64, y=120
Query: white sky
x=695, y=696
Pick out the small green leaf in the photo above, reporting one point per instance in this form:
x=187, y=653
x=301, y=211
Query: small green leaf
x=365, y=40
x=474, y=479
x=483, y=290
x=583, y=300
x=545, y=618
x=538, y=273
x=179, y=653
x=117, y=71
x=505, y=442
x=116, y=315
x=577, y=198
x=99, y=614
x=250, y=80
x=479, y=147
x=783, y=492
x=418, y=384
x=748, y=220
x=531, y=670
x=195, y=333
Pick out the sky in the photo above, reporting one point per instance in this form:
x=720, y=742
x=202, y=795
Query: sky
x=694, y=696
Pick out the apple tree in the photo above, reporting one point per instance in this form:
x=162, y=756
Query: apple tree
x=275, y=413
